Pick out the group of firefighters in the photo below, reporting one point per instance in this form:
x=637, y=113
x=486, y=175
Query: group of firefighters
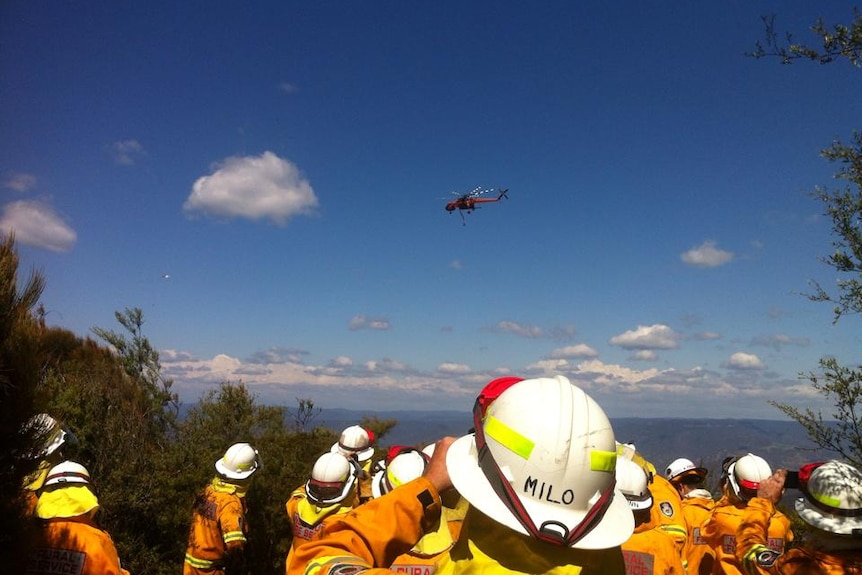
x=539, y=486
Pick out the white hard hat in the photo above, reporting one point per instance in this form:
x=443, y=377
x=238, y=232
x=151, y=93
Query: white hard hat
x=67, y=472
x=684, y=467
x=541, y=462
x=745, y=475
x=404, y=465
x=632, y=480
x=332, y=479
x=833, y=499
x=239, y=461
x=355, y=441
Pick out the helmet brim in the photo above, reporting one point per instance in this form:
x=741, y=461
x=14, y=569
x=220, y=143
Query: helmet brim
x=229, y=474
x=615, y=527
x=826, y=521
x=362, y=455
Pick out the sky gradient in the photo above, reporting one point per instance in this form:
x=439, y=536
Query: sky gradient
x=267, y=183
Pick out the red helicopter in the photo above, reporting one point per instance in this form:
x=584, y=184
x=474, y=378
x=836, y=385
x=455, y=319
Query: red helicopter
x=467, y=202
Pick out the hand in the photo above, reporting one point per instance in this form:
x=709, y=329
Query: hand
x=436, y=471
x=772, y=487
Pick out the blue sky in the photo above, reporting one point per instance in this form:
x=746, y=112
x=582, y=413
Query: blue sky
x=266, y=181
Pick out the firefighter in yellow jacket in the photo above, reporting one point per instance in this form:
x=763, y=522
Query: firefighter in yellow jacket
x=402, y=465
x=330, y=491
x=831, y=504
x=218, y=533
x=68, y=539
x=697, y=506
x=538, y=473
x=52, y=440
x=740, y=480
x=650, y=550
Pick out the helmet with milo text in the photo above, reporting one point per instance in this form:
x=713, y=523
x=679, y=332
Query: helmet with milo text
x=332, y=479
x=355, y=441
x=832, y=498
x=633, y=481
x=745, y=474
x=541, y=461
x=402, y=464
x=240, y=461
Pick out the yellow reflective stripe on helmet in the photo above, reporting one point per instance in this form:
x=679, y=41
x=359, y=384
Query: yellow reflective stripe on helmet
x=233, y=536
x=603, y=461
x=346, y=563
x=508, y=437
x=200, y=563
x=826, y=500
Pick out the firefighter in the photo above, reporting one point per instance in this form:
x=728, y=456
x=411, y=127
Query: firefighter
x=218, y=533
x=357, y=443
x=53, y=440
x=741, y=479
x=330, y=491
x=697, y=505
x=403, y=464
x=650, y=550
x=538, y=473
x=68, y=540
x=831, y=504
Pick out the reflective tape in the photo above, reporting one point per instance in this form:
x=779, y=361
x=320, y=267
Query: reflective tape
x=508, y=437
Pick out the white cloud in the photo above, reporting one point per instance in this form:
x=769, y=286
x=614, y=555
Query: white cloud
x=127, y=152
x=707, y=336
x=358, y=322
x=253, y=187
x=453, y=368
x=744, y=361
x=706, y=255
x=20, y=182
x=655, y=336
x=778, y=340
x=645, y=355
x=37, y=224
x=287, y=88
x=580, y=350
x=521, y=329
x=456, y=265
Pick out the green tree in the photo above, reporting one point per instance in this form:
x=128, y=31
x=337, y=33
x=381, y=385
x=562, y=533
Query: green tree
x=839, y=384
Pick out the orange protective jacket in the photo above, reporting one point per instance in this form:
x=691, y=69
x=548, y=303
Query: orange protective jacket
x=666, y=514
x=218, y=527
x=751, y=542
x=719, y=532
x=370, y=537
x=651, y=551
x=307, y=519
x=700, y=557
x=73, y=546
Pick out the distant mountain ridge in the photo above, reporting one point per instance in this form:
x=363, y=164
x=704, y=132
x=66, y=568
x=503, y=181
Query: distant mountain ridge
x=660, y=440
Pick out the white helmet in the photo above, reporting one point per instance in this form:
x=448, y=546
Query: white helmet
x=632, y=480
x=239, y=462
x=541, y=462
x=745, y=475
x=682, y=468
x=49, y=433
x=67, y=472
x=405, y=464
x=332, y=479
x=833, y=499
x=355, y=441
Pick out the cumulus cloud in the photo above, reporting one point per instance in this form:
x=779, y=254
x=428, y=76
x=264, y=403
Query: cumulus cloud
x=744, y=361
x=253, y=187
x=172, y=355
x=126, y=152
x=20, y=182
x=707, y=336
x=645, y=355
x=278, y=355
x=778, y=340
x=656, y=336
x=358, y=322
x=37, y=224
x=706, y=255
x=580, y=350
x=453, y=368
x=516, y=328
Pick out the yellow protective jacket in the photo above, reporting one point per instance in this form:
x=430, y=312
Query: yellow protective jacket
x=666, y=513
x=307, y=519
x=751, y=542
x=719, y=532
x=218, y=527
x=700, y=557
x=369, y=538
x=424, y=557
x=651, y=551
x=73, y=546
